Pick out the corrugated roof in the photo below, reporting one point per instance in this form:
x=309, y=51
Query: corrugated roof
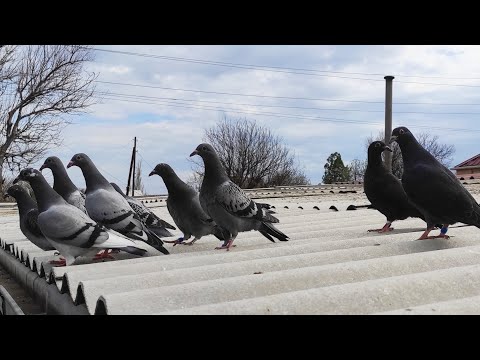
x=473, y=161
x=331, y=265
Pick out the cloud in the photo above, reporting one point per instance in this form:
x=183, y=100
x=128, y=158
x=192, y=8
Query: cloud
x=168, y=130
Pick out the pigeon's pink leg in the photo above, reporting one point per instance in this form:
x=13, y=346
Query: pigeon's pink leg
x=442, y=235
x=226, y=245
x=176, y=242
x=103, y=255
x=191, y=242
x=385, y=228
x=59, y=262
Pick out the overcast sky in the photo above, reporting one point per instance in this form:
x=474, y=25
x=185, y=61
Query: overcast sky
x=320, y=99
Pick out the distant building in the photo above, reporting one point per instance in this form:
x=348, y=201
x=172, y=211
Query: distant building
x=469, y=169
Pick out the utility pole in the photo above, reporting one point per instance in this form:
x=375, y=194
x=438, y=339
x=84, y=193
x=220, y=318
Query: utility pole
x=132, y=166
x=388, y=118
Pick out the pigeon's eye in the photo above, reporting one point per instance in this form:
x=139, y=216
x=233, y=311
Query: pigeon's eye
x=401, y=131
x=377, y=145
x=78, y=157
x=204, y=148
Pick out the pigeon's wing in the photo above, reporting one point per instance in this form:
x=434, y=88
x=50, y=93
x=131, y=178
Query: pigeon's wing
x=31, y=220
x=109, y=208
x=147, y=216
x=432, y=188
x=77, y=199
x=233, y=199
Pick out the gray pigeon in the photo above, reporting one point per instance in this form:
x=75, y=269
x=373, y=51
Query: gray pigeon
x=62, y=183
x=385, y=190
x=432, y=188
x=149, y=219
x=68, y=228
x=28, y=212
x=183, y=204
x=228, y=205
x=107, y=207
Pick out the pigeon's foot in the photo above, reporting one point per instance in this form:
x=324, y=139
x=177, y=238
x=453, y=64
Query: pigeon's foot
x=191, y=242
x=175, y=242
x=103, y=255
x=384, y=229
x=440, y=236
x=226, y=245
x=59, y=262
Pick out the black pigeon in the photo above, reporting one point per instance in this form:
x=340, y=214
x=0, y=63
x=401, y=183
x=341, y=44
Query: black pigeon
x=62, y=183
x=228, y=205
x=149, y=219
x=432, y=188
x=107, y=207
x=384, y=190
x=28, y=212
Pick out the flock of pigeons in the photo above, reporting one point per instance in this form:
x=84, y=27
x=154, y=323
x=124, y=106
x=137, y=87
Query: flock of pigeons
x=428, y=190
x=104, y=219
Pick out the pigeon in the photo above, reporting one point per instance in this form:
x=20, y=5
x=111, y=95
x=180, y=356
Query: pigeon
x=62, y=183
x=149, y=219
x=432, y=188
x=109, y=208
x=385, y=190
x=183, y=204
x=68, y=228
x=28, y=212
x=228, y=205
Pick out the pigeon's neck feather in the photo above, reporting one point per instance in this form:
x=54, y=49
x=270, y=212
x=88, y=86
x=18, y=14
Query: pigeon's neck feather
x=44, y=194
x=413, y=153
x=173, y=182
x=62, y=183
x=214, y=171
x=375, y=161
x=25, y=203
x=93, y=178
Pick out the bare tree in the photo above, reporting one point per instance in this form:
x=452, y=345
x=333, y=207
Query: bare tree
x=357, y=169
x=138, y=179
x=442, y=152
x=39, y=85
x=252, y=155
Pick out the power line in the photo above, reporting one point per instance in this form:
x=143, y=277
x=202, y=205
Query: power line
x=280, y=106
x=282, y=97
x=292, y=116
x=267, y=68
x=98, y=166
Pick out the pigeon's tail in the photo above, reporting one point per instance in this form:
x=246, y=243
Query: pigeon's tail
x=160, y=231
x=267, y=216
x=154, y=221
x=267, y=229
x=155, y=241
x=220, y=233
x=134, y=250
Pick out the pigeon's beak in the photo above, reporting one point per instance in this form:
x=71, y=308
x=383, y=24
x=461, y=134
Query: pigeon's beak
x=6, y=195
x=392, y=139
x=70, y=163
x=388, y=148
x=16, y=180
x=153, y=172
x=42, y=167
x=195, y=152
